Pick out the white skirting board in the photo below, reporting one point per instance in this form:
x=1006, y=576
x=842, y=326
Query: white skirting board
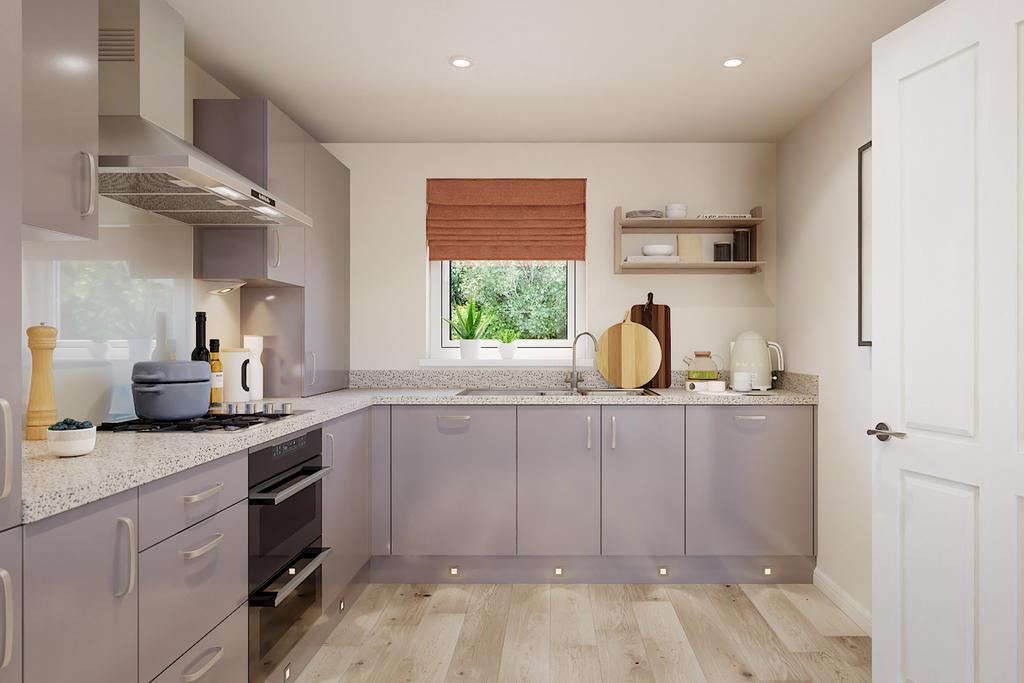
x=857, y=612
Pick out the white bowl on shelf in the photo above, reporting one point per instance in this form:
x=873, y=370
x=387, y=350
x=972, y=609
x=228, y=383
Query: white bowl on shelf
x=658, y=250
x=71, y=443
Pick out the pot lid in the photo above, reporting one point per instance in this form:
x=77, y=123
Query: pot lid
x=167, y=371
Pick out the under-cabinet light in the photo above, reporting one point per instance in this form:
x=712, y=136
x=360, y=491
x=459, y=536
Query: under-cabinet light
x=460, y=61
x=227, y=192
x=267, y=211
x=732, y=62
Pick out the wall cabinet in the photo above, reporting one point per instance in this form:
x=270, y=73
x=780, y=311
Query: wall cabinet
x=60, y=128
x=453, y=480
x=274, y=253
x=346, y=512
x=559, y=480
x=81, y=594
x=750, y=480
x=10, y=606
x=642, y=492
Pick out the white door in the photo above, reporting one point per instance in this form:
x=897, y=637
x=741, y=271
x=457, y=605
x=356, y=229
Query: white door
x=949, y=498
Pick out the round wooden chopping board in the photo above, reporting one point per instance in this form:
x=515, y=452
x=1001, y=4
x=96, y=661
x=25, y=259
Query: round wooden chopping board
x=628, y=355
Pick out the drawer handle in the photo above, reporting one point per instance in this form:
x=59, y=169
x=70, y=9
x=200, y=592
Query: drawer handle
x=193, y=676
x=203, y=495
x=203, y=549
x=454, y=418
x=750, y=418
x=8, y=591
x=265, y=495
x=133, y=555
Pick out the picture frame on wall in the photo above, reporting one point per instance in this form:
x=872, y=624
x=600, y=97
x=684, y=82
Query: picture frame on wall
x=864, y=245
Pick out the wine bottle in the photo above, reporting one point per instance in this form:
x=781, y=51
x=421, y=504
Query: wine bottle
x=200, y=352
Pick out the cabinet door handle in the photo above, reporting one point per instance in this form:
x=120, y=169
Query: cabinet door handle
x=331, y=437
x=615, y=432
x=277, y=248
x=8, y=454
x=588, y=432
x=193, y=676
x=133, y=555
x=8, y=591
x=203, y=495
x=196, y=553
x=312, y=379
x=90, y=207
x=750, y=418
x=454, y=418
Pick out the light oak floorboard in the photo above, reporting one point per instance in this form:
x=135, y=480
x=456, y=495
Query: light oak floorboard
x=599, y=633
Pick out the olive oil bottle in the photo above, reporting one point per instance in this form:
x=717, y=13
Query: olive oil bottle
x=216, y=374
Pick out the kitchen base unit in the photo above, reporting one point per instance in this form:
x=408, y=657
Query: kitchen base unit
x=577, y=569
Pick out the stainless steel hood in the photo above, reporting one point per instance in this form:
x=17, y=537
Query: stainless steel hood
x=143, y=165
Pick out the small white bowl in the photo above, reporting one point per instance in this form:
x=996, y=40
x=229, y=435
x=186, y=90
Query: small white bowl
x=71, y=443
x=658, y=250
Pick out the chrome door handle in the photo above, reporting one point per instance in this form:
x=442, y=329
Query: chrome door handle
x=203, y=495
x=133, y=555
x=90, y=208
x=193, y=676
x=750, y=418
x=8, y=454
x=8, y=591
x=277, y=248
x=588, y=432
x=454, y=418
x=615, y=432
x=196, y=553
x=883, y=433
x=315, y=474
x=331, y=437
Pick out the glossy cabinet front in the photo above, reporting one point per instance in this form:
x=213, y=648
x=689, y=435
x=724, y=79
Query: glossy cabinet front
x=10, y=606
x=82, y=594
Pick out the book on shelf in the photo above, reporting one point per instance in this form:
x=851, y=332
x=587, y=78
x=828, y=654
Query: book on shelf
x=652, y=259
x=724, y=215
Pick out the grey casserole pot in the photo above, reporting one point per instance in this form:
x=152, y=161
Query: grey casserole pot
x=171, y=390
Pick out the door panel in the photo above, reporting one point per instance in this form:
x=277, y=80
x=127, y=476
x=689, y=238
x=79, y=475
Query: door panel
x=10, y=603
x=946, y=356
x=642, y=480
x=558, y=506
x=286, y=158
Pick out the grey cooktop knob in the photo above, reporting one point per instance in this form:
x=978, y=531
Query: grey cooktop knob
x=250, y=409
x=268, y=408
x=231, y=408
x=286, y=408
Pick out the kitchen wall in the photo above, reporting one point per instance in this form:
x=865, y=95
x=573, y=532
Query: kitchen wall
x=389, y=267
x=817, y=323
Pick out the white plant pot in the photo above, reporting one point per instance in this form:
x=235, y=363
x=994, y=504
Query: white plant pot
x=507, y=351
x=469, y=349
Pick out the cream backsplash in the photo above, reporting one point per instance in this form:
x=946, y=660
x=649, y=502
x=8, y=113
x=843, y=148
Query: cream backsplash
x=115, y=301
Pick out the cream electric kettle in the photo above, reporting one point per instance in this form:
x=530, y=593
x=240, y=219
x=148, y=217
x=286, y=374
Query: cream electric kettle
x=751, y=353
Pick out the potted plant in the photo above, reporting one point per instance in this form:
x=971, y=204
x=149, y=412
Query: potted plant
x=469, y=324
x=507, y=338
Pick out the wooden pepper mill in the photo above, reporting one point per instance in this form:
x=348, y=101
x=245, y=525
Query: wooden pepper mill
x=42, y=407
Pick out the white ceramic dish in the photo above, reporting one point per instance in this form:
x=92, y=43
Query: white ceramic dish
x=658, y=250
x=71, y=443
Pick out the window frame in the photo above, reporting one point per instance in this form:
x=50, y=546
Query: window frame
x=442, y=347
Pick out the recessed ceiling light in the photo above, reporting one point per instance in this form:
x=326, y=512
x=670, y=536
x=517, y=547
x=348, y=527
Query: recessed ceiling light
x=460, y=62
x=732, y=63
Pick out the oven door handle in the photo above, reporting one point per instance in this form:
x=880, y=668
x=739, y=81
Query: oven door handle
x=315, y=475
x=275, y=598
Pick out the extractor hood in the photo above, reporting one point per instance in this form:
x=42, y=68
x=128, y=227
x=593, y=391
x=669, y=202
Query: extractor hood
x=142, y=161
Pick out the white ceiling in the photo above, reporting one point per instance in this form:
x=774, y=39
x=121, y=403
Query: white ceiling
x=544, y=70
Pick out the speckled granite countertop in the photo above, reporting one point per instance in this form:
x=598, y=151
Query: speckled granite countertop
x=52, y=485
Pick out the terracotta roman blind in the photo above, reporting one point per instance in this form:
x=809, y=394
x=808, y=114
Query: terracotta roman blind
x=507, y=219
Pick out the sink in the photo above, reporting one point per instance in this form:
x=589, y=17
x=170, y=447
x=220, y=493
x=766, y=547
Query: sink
x=517, y=392
x=557, y=392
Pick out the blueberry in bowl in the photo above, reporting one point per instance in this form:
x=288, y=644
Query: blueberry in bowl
x=70, y=438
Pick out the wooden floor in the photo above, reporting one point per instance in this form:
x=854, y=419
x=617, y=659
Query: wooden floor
x=561, y=633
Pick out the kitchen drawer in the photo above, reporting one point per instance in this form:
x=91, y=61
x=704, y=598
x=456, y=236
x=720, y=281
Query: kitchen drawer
x=221, y=657
x=182, y=597
x=750, y=480
x=168, y=505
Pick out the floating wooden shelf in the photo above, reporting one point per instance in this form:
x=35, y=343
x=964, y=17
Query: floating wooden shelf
x=675, y=226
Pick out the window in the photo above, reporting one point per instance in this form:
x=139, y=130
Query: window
x=541, y=301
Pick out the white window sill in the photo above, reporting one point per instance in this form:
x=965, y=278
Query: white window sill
x=503, y=363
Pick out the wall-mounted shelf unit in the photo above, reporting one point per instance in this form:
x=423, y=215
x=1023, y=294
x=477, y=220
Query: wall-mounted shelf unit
x=675, y=226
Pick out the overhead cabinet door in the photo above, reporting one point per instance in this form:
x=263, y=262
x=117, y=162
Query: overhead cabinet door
x=750, y=480
x=454, y=480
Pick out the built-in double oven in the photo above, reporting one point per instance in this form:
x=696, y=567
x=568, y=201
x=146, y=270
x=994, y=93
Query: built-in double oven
x=285, y=549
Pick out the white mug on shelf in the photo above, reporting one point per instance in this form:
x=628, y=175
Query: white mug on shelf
x=742, y=381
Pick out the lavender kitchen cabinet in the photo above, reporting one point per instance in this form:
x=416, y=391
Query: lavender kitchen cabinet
x=453, y=474
x=559, y=480
x=346, y=507
x=642, y=493
x=60, y=129
x=222, y=656
x=10, y=606
x=12, y=337
x=750, y=480
x=81, y=594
